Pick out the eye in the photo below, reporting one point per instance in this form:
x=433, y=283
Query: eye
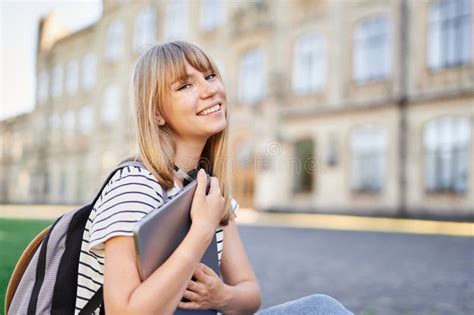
x=211, y=76
x=184, y=86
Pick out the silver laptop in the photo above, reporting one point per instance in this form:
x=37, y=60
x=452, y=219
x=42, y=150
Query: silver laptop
x=159, y=233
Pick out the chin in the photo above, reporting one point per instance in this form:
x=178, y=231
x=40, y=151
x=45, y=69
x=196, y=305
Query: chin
x=219, y=128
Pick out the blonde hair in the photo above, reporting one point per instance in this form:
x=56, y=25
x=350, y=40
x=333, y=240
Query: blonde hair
x=154, y=72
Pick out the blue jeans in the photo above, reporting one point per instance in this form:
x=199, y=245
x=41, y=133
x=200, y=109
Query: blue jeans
x=317, y=304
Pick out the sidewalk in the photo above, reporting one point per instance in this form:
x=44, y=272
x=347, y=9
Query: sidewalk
x=247, y=216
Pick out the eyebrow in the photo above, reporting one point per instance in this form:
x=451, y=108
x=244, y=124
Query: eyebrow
x=187, y=76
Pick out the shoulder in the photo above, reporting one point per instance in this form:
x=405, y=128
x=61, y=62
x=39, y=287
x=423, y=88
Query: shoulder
x=131, y=193
x=132, y=179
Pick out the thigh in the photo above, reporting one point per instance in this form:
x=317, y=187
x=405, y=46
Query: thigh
x=317, y=304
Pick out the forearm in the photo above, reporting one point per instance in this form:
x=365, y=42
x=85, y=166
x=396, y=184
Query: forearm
x=162, y=291
x=243, y=298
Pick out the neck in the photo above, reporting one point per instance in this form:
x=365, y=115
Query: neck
x=188, y=154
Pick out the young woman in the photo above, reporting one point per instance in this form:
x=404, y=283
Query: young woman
x=182, y=119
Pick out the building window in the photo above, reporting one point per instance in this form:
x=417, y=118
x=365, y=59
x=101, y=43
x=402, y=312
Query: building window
x=446, y=143
x=251, y=79
x=304, y=174
x=111, y=106
x=212, y=14
x=309, y=64
x=69, y=121
x=43, y=87
x=72, y=73
x=86, y=119
x=54, y=122
x=176, y=20
x=57, y=81
x=372, y=57
x=368, y=148
x=450, y=34
x=115, y=41
x=144, y=29
x=89, y=71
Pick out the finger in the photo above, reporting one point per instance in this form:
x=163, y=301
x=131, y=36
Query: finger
x=192, y=296
x=208, y=271
x=189, y=305
x=214, y=186
x=195, y=287
x=201, y=183
x=200, y=275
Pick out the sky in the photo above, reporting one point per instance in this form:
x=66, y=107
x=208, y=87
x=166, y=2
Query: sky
x=19, y=31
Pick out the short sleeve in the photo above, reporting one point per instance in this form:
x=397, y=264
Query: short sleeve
x=235, y=206
x=131, y=194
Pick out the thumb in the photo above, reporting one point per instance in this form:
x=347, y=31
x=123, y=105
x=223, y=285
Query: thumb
x=201, y=182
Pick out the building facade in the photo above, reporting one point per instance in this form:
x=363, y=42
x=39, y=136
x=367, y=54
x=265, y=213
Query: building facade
x=363, y=107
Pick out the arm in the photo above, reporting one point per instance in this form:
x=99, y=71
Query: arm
x=124, y=293
x=241, y=285
x=238, y=294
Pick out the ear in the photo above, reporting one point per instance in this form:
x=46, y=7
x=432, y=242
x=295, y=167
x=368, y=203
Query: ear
x=160, y=120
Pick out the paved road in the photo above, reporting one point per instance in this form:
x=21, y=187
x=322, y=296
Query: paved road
x=368, y=272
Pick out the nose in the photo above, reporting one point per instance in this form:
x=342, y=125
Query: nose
x=208, y=89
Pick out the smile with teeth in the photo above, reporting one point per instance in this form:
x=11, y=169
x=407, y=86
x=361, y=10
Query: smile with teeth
x=211, y=110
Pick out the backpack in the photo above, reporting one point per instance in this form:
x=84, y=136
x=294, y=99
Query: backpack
x=44, y=280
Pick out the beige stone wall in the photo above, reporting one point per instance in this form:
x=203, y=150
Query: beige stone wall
x=73, y=165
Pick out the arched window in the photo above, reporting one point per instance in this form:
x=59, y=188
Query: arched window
x=112, y=104
x=86, y=119
x=372, y=50
x=69, y=121
x=57, y=81
x=446, y=144
x=89, y=71
x=43, y=87
x=251, y=79
x=72, y=76
x=368, y=151
x=115, y=41
x=450, y=34
x=145, y=32
x=212, y=14
x=177, y=19
x=309, y=64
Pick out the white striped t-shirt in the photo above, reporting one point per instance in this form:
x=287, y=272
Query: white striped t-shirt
x=131, y=194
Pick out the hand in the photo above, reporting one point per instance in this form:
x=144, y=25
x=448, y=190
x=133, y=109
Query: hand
x=207, y=210
x=207, y=292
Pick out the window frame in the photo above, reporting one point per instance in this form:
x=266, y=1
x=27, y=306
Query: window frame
x=442, y=144
x=363, y=153
x=115, y=41
x=252, y=81
x=309, y=46
x=373, y=29
x=445, y=21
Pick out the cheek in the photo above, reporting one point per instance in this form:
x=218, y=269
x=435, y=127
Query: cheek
x=222, y=91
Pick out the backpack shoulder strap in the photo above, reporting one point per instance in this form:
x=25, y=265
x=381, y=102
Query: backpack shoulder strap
x=21, y=266
x=95, y=301
x=119, y=167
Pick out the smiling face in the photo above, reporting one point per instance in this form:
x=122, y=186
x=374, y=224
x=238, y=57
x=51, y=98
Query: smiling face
x=196, y=105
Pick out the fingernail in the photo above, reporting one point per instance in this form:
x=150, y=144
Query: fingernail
x=201, y=172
